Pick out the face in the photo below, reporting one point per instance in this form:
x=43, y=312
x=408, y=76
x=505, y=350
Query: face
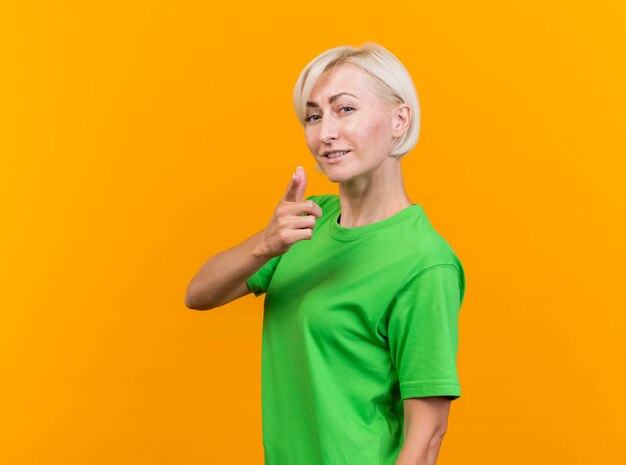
x=344, y=114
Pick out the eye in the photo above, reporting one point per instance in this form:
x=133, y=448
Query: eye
x=309, y=119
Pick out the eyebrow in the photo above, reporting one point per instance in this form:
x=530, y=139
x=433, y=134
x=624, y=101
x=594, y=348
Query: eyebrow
x=330, y=100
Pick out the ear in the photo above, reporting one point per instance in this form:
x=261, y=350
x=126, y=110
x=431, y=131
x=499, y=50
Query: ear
x=401, y=119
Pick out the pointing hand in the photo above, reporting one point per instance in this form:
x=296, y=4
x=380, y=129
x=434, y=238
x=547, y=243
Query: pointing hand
x=294, y=218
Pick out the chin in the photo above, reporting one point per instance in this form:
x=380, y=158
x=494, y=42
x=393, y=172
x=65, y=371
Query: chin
x=334, y=178
x=334, y=175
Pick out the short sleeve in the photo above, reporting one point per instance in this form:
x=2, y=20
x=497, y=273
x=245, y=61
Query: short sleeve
x=423, y=332
x=260, y=281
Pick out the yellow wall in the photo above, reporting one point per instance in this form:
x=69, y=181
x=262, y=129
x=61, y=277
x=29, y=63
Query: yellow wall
x=137, y=141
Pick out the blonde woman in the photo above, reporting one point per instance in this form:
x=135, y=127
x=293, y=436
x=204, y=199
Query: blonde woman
x=362, y=294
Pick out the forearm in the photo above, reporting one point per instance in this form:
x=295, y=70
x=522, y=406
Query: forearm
x=417, y=451
x=217, y=281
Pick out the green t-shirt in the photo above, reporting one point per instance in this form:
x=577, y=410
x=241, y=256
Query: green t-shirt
x=355, y=320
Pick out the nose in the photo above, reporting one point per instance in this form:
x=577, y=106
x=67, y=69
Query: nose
x=329, y=129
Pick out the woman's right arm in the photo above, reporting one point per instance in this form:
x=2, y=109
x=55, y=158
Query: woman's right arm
x=223, y=277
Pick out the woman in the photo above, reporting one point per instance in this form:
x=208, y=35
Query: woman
x=360, y=330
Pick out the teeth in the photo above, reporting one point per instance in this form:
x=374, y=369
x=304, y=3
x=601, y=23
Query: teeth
x=335, y=154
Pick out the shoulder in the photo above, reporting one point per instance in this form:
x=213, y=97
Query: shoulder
x=428, y=248
x=440, y=255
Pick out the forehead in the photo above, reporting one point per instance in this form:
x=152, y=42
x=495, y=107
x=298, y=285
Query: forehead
x=347, y=77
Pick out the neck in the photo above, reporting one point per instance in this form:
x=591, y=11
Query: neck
x=373, y=196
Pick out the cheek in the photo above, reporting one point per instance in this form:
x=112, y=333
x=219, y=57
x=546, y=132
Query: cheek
x=308, y=136
x=374, y=130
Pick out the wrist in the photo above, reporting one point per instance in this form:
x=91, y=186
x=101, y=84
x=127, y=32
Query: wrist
x=259, y=247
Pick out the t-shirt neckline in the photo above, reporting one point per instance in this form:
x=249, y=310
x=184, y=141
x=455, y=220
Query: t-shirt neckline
x=347, y=234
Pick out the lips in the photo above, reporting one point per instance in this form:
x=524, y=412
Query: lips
x=329, y=153
x=335, y=159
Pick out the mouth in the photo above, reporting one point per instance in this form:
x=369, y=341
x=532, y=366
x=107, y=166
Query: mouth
x=335, y=155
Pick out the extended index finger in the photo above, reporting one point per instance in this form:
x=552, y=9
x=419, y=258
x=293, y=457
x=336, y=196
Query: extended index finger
x=292, y=189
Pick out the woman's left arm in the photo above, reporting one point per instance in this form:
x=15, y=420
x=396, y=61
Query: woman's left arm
x=425, y=424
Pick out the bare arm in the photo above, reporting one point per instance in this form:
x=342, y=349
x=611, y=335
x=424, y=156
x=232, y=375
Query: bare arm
x=223, y=277
x=425, y=424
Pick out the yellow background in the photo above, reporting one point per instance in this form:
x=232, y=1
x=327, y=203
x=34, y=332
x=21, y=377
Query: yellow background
x=140, y=138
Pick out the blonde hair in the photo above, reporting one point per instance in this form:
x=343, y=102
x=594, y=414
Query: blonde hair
x=390, y=79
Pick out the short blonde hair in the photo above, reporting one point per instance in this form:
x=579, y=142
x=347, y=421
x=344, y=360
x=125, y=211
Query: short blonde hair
x=390, y=79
